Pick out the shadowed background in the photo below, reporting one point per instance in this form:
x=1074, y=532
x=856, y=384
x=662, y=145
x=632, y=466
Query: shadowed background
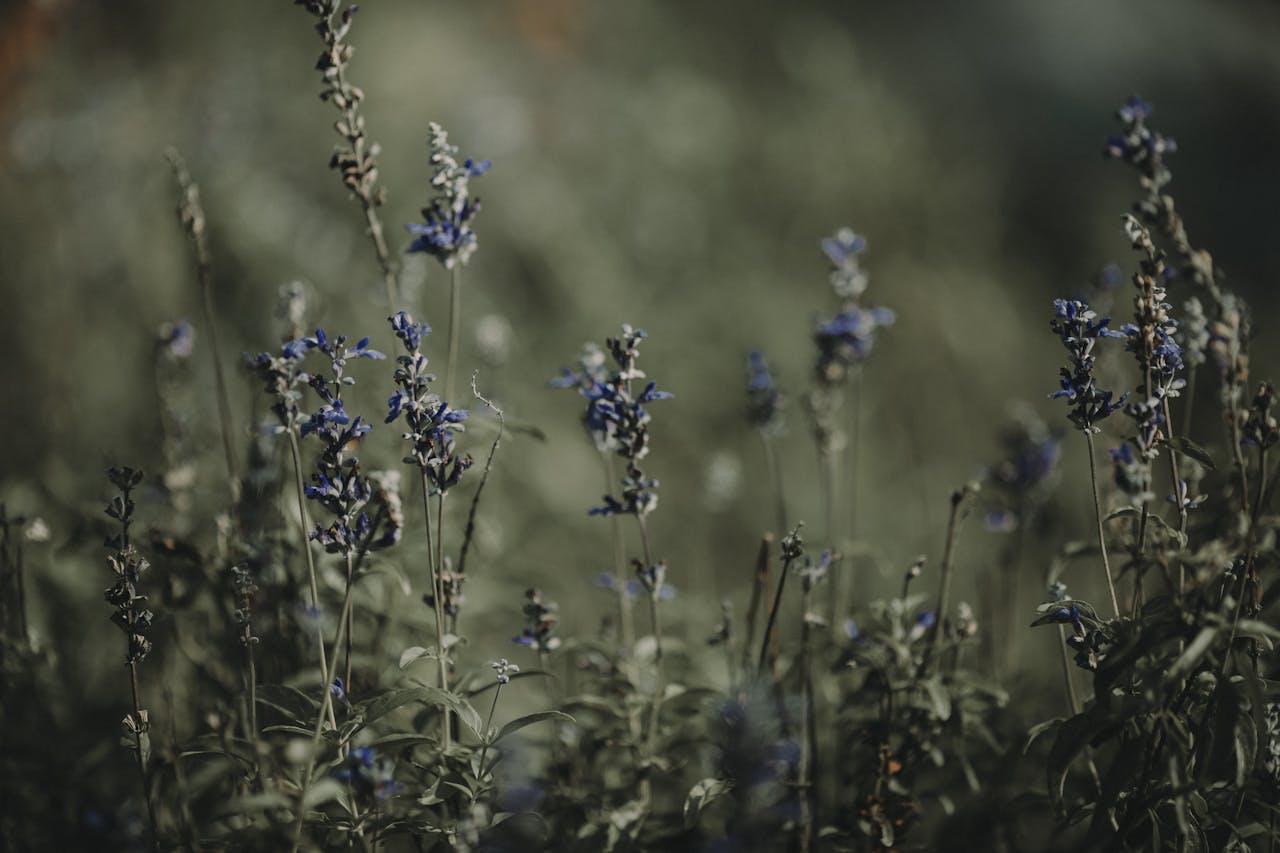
x=667, y=164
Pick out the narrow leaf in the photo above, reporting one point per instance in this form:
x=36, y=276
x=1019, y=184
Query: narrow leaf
x=1185, y=446
x=700, y=796
x=528, y=720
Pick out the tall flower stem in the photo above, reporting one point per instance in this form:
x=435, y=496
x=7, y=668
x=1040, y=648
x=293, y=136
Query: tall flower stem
x=437, y=594
x=759, y=589
x=945, y=571
x=383, y=254
x=775, y=481
x=455, y=332
x=311, y=563
x=1102, y=535
x=191, y=213
x=655, y=618
x=806, y=771
x=626, y=618
x=140, y=724
x=484, y=749
x=788, y=557
x=326, y=710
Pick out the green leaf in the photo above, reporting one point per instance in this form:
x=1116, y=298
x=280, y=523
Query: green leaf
x=374, y=709
x=1191, y=655
x=700, y=796
x=1122, y=512
x=402, y=740
x=1039, y=729
x=415, y=653
x=940, y=698
x=1073, y=736
x=1186, y=447
x=528, y=720
x=323, y=791
x=292, y=730
x=290, y=701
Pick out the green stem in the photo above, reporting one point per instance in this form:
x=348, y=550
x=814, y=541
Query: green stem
x=658, y=685
x=944, y=582
x=626, y=619
x=311, y=563
x=326, y=710
x=759, y=588
x=808, y=747
x=455, y=321
x=437, y=593
x=140, y=722
x=1102, y=536
x=489, y=725
x=773, y=613
x=192, y=214
x=775, y=480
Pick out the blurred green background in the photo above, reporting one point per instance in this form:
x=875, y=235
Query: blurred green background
x=668, y=164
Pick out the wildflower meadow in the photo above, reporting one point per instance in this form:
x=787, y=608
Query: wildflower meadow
x=465, y=429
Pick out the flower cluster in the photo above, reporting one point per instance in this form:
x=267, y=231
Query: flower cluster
x=1021, y=480
x=337, y=484
x=1079, y=328
x=846, y=340
x=764, y=400
x=503, y=670
x=1137, y=144
x=371, y=777
x=356, y=159
x=618, y=420
x=242, y=582
x=1088, y=639
x=132, y=615
x=430, y=423
x=386, y=502
x=1229, y=348
x=1151, y=340
x=446, y=234
x=1271, y=758
x=284, y=379
x=1260, y=428
x=847, y=277
x=540, y=623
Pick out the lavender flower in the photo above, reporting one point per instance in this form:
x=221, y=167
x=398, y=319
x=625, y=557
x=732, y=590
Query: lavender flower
x=618, y=420
x=1132, y=474
x=446, y=234
x=842, y=249
x=1079, y=328
x=371, y=777
x=176, y=340
x=336, y=484
x=1137, y=144
x=1020, y=481
x=503, y=670
x=430, y=423
x=540, y=623
x=845, y=341
x=764, y=400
